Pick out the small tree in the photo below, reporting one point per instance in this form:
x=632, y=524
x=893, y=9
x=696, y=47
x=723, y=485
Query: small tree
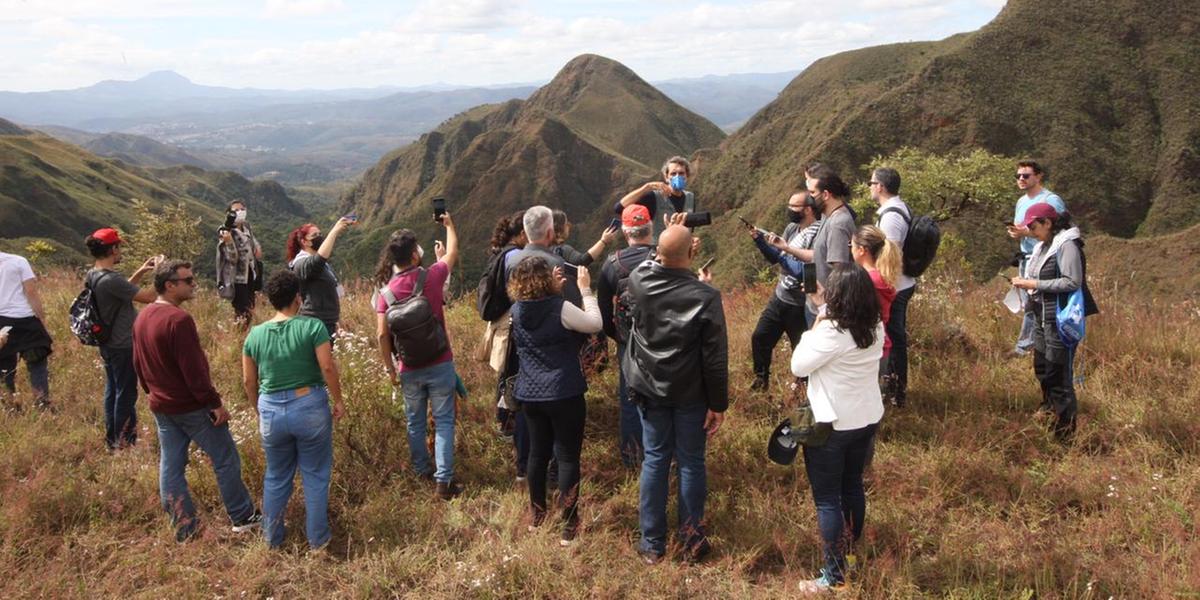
x=39, y=252
x=174, y=232
x=945, y=186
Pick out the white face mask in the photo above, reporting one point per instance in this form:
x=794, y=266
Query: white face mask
x=240, y=216
x=420, y=252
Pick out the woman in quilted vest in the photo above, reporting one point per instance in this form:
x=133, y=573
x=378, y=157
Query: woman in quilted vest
x=1055, y=269
x=550, y=383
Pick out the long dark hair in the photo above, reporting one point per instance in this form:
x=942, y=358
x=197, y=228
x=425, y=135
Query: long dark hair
x=851, y=303
x=1061, y=223
x=506, y=229
x=397, y=252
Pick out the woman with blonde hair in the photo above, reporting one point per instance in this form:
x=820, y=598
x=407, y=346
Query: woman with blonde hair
x=881, y=258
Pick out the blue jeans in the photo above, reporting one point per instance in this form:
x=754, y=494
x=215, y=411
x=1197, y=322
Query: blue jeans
x=297, y=431
x=1025, y=337
x=431, y=388
x=672, y=433
x=630, y=430
x=835, y=471
x=120, y=396
x=175, y=434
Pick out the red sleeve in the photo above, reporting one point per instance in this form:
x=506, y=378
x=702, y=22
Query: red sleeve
x=193, y=365
x=439, y=272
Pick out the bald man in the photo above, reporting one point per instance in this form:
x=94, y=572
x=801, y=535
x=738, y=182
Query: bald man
x=677, y=369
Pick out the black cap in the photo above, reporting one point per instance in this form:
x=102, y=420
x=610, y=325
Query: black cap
x=782, y=447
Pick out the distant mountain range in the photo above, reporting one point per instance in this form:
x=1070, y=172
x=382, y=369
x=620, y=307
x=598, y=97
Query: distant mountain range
x=305, y=136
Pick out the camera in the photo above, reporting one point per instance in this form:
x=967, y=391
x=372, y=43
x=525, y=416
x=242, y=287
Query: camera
x=698, y=219
x=230, y=221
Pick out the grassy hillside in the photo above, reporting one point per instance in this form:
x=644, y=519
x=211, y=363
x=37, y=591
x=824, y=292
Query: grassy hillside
x=594, y=132
x=142, y=151
x=969, y=496
x=1105, y=94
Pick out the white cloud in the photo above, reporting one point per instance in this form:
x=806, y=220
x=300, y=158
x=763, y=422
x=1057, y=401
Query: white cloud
x=286, y=9
x=32, y=10
x=463, y=15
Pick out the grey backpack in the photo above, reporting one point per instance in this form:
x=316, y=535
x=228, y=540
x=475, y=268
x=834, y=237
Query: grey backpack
x=418, y=338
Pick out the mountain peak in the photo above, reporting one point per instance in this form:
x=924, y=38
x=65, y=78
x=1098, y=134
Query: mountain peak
x=165, y=77
x=9, y=128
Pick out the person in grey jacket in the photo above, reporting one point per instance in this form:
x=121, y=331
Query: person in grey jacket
x=1055, y=269
x=677, y=368
x=239, y=256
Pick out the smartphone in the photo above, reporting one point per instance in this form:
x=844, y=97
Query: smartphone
x=212, y=417
x=708, y=263
x=615, y=223
x=4, y=330
x=746, y=223
x=810, y=278
x=567, y=264
x=697, y=219
x=439, y=208
x=352, y=217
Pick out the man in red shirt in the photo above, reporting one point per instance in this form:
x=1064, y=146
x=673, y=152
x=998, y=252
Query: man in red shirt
x=173, y=370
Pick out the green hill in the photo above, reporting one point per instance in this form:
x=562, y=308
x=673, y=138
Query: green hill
x=1105, y=93
x=56, y=191
x=142, y=151
x=595, y=131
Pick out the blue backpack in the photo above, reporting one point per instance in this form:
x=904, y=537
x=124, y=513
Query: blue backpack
x=1072, y=313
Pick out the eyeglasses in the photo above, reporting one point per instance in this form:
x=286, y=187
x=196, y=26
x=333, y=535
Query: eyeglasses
x=187, y=280
x=874, y=183
x=1024, y=175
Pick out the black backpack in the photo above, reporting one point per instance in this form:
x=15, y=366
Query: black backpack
x=491, y=296
x=86, y=322
x=921, y=243
x=418, y=338
x=624, y=304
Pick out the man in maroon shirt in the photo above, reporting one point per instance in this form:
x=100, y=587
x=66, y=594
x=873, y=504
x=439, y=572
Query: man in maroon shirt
x=173, y=370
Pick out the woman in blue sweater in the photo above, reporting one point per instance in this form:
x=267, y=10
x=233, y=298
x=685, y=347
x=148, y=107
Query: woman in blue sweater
x=550, y=382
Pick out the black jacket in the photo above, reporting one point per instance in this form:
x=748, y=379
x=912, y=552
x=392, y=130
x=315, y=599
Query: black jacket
x=678, y=353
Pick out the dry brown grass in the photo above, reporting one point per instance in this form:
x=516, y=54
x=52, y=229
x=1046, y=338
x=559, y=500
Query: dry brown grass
x=970, y=498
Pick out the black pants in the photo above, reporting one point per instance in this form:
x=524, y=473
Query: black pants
x=896, y=371
x=555, y=429
x=777, y=318
x=1058, y=391
x=243, y=301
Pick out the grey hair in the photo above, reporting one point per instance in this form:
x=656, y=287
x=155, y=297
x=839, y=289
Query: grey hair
x=889, y=178
x=640, y=232
x=678, y=160
x=539, y=224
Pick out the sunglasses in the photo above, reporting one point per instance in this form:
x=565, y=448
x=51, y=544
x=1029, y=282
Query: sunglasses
x=187, y=280
x=874, y=183
x=1024, y=175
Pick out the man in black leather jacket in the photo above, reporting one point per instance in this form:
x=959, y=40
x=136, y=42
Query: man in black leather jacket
x=677, y=370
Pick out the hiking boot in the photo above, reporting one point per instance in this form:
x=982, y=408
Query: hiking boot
x=650, y=557
x=760, y=383
x=697, y=552
x=447, y=490
x=570, y=531
x=250, y=523
x=823, y=584
x=426, y=477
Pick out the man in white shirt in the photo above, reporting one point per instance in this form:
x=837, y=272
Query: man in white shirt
x=894, y=218
x=21, y=319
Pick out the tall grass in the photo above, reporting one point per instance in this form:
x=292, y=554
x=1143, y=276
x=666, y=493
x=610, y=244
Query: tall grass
x=969, y=496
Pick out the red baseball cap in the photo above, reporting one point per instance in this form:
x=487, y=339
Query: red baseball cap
x=1041, y=210
x=108, y=236
x=635, y=215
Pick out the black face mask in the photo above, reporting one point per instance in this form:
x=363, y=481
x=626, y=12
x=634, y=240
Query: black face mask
x=795, y=216
x=317, y=241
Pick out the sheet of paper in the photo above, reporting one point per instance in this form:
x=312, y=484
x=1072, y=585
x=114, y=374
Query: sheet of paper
x=1014, y=301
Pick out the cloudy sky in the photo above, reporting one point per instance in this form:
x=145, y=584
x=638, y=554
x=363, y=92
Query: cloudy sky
x=57, y=44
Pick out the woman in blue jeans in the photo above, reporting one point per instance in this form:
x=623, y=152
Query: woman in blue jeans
x=288, y=363
x=840, y=356
x=550, y=383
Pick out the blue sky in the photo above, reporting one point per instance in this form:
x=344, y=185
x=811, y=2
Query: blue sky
x=48, y=44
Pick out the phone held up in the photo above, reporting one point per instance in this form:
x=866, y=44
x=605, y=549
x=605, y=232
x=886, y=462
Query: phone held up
x=615, y=223
x=439, y=209
x=708, y=263
x=697, y=219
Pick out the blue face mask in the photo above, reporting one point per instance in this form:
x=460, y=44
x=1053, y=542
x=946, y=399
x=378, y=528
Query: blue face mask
x=678, y=182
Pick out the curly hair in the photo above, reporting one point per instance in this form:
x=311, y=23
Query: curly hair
x=507, y=228
x=851, y=303
x=295, y=238
x=281, y=288
x=531, y=279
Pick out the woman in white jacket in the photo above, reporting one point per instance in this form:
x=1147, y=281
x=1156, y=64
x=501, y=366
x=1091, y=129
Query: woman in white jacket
x=840, y=356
